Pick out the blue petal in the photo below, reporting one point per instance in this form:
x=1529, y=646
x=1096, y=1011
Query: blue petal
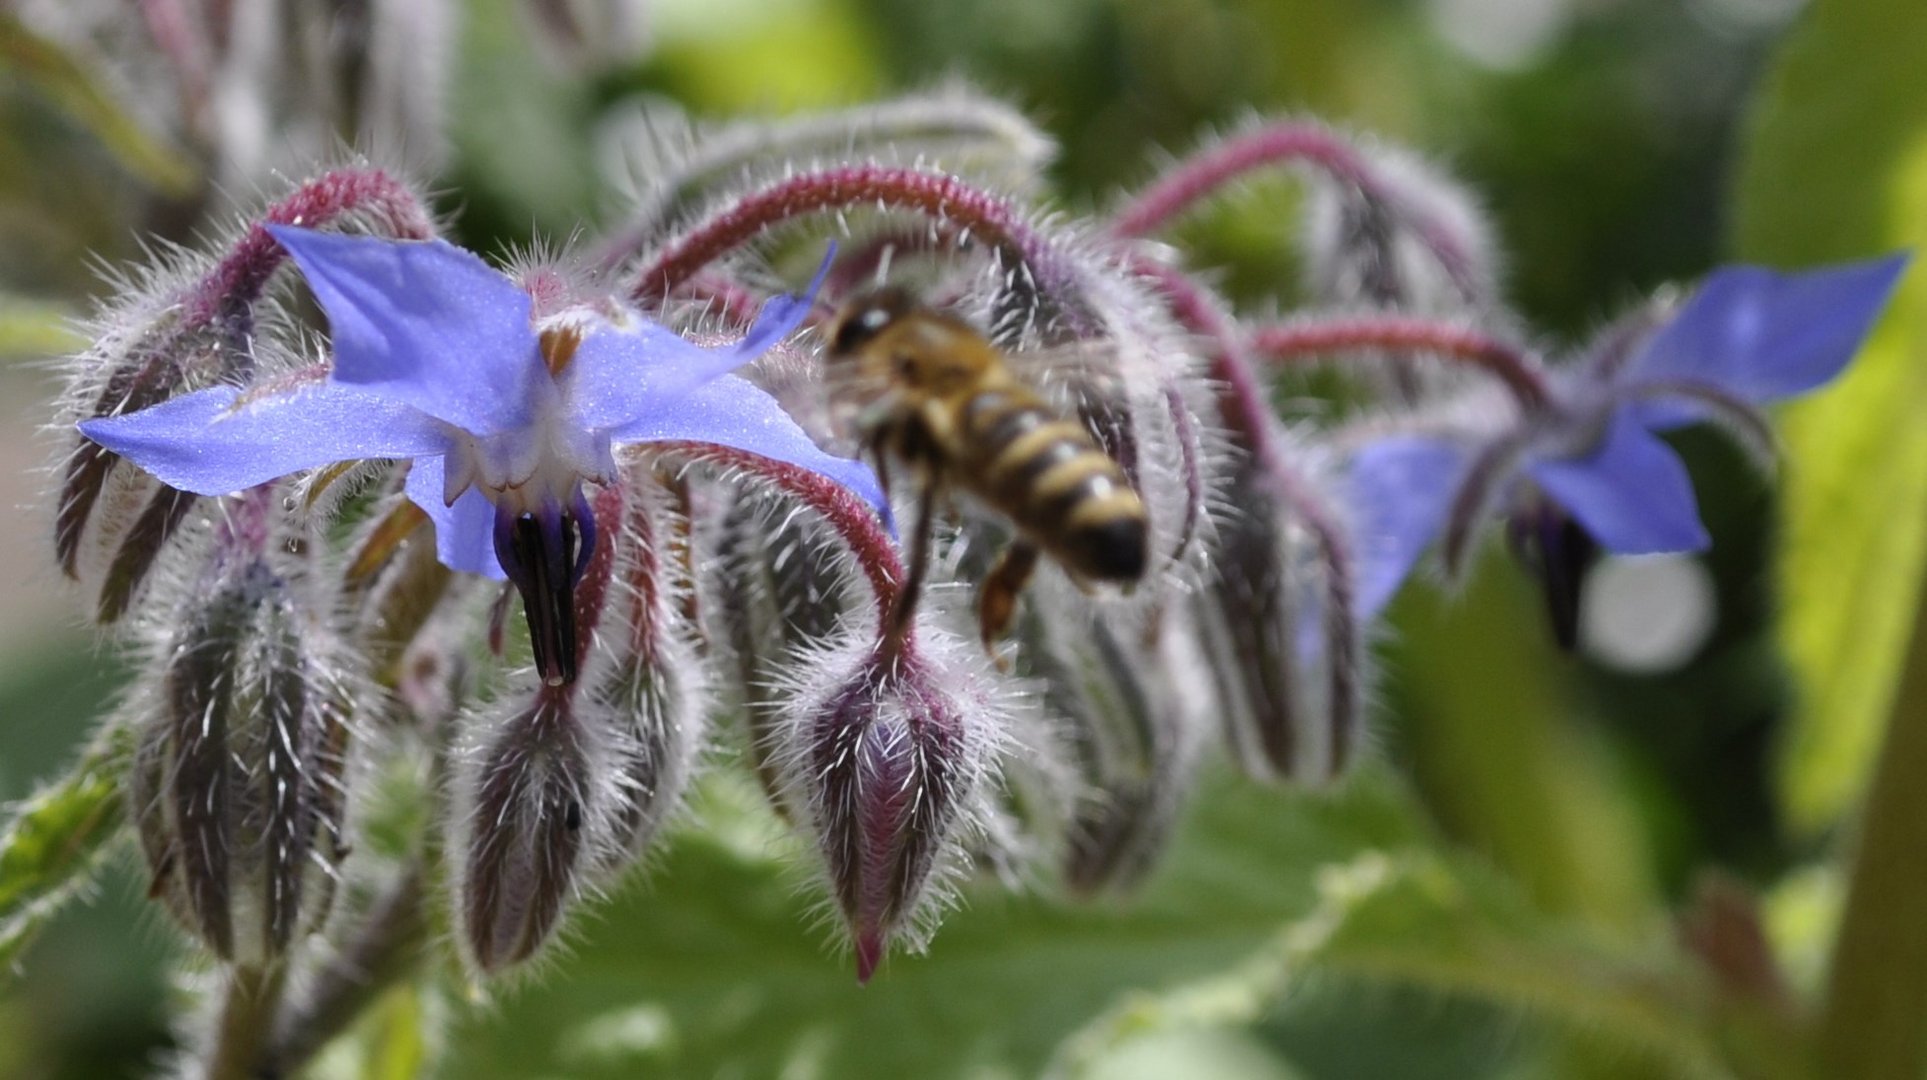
x=1762, y=336
x=205, y=443
x=1400, y=491
x=734, y=412
x=464, y=532
x=425, y=324
x=781, y=315
x=1631, y=493
x=618, y=376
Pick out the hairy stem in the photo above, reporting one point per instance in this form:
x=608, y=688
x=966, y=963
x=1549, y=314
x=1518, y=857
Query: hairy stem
x=1299, y=143
x=849, y=516
x=949, y=120
x=247, y=1014
x=944, y=198
x=1511, y=364
x=390, y=945
x=237, y=280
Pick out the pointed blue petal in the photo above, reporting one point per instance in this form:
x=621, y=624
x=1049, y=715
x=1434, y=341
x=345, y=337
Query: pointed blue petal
x=216, y=441
x=1631, y=493
x=1762, y=335
x=464, y=532
x=734, y=412
x=781, y=315
x=425, y=324
x=1400, y=491
x=619, y=375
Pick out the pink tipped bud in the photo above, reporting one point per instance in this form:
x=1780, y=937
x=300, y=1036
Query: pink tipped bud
x=889, y=757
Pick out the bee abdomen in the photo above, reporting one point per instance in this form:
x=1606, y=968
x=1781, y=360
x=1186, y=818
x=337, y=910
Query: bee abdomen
x=1097, y=528
x=1057, y=486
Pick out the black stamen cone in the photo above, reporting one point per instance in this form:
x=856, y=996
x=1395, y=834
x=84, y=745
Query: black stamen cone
x=540, y=554
x=1558, y=551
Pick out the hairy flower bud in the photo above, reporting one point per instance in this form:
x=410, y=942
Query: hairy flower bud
x=1286, y=652
x=111, y=524
x=527, y=803
x=776, y=591
x=1131, y=698
x=889, y=755
x=237, y=780
x=1402, y=234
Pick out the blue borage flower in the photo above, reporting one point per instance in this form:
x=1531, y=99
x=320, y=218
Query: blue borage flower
x=439, y=359
x=1592, y=457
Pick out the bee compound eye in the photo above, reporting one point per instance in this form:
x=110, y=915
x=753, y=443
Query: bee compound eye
x=859, y=327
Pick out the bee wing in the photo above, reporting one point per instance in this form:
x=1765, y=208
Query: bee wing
x=853, y=391
x=1070, y=371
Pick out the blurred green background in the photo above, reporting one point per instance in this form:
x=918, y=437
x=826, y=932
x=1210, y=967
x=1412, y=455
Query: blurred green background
x=1604, y=138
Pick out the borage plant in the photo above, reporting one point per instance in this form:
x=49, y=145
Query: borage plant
x=299, y=537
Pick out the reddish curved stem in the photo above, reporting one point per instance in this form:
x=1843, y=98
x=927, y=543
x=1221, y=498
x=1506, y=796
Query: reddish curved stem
x=1249, y=418
x=1511, y=364
x=852, y=518
x=1288, y=142
x=237, y=280
x=969, y=211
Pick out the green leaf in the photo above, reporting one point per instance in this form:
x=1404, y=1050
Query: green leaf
x=53, y=844
x=1419, y=919
x=718, y=966
x=57, y=73
x=1488, y=724
x=394, y=1040
x=1426, y=922
x=31, y=329
x=1836, y=168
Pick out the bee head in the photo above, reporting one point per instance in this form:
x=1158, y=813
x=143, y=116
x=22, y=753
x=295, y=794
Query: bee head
x=865, y=316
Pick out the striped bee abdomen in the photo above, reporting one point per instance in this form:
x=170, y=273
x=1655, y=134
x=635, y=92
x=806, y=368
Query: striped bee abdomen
x=1049, y=477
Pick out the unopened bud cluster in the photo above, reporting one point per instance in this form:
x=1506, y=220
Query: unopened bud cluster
x=706, y=596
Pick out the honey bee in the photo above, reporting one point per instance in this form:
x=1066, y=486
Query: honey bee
x=930, y=392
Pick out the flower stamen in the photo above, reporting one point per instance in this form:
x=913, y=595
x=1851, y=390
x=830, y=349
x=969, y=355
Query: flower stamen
x=544, y=554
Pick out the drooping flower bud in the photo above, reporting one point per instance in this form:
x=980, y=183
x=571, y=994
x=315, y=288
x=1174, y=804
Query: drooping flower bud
x=776, y=591
x=1132, y=699
x=111, y=524
x=1401, y=234
x=889, y=756
x=527, y=802
x=237, y=785
x=1277, y=621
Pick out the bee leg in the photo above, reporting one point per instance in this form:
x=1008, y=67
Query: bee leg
x=997, y=596
x=905, y=608
x=882, y=468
